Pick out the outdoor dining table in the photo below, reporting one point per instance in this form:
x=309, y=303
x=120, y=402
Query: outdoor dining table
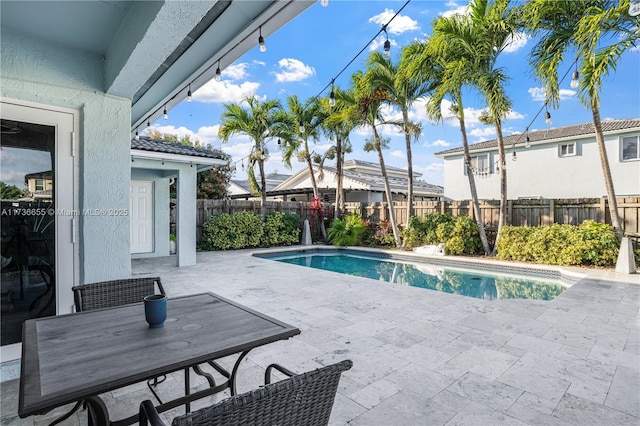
x=76, y=357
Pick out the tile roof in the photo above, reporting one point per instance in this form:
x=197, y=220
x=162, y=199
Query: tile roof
x=397, y=184
x=153, y=145
x=551, y=134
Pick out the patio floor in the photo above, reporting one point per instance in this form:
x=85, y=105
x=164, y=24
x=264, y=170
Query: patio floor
x=422, y=357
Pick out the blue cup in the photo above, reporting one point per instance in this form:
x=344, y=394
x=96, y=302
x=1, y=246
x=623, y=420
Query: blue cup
x=155, y=310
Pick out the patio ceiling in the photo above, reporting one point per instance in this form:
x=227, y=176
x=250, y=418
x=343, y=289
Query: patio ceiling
x=152, y=50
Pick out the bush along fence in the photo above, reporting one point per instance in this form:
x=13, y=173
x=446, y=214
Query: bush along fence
x=529, y=212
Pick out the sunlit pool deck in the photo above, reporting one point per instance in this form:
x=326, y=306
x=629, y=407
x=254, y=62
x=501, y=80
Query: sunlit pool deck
x=423, y=357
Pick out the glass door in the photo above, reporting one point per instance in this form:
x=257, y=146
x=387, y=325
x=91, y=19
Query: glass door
x=35, y=200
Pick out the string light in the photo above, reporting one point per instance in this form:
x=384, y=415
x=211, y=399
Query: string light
x=137, y=135
x=218, y=73
x=527, y=143
x=324, y=3
x=189, y=94
x=164, y=113
x=547, y=117
x=387, y=43
x=263, y=47
x=301, y=128
x=575, y=78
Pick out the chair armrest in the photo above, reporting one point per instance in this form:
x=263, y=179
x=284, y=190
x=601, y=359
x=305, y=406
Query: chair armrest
x=149, y=414
x=267, y=373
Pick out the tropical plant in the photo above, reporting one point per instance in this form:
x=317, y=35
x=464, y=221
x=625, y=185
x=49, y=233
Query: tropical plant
x=10, y=192
x=348, y=231
x=597, y=32
x=402, y=91
x=261, y=121
x=442, y=61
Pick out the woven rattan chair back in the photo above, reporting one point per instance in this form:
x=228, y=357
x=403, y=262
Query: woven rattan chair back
x=304, y=399
x=107, y=294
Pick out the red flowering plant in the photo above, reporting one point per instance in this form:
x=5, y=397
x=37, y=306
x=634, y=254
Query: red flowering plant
x=319, y=216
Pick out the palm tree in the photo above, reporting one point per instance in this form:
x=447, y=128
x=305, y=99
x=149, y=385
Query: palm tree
x=441, y=61
x=402, y=92
x=339, y=124
x=309, y=118
x=366, y=111
x=482, y=35
x=598, y=32
x=261, y=121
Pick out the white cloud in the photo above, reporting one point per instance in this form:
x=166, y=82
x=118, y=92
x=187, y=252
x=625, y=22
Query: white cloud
x=483, y=132
x=399, y=25
x=293, y=70
x=398, y=154
x=513, y=115
x=457, y=10
x=235, y=71
x=225, y=91
x=539, y=94
x=437, y=143
x=515, y=42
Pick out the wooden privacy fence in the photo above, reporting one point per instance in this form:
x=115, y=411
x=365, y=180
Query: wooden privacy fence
x=530, y=212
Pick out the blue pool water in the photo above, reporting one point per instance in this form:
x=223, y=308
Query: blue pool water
x=466, y=282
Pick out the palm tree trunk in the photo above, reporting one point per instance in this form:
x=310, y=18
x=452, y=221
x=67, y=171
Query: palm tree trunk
x=502, y=217
x=387, y=189
x=407, y=139
x=608, y=181
x=263, y=191
x=472, y=182
x=339, y=193
x=312, y=174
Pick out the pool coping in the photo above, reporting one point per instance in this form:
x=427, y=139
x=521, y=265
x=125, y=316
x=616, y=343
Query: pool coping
x=568, y=277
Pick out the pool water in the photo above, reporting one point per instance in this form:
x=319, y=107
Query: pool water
x=465, y=282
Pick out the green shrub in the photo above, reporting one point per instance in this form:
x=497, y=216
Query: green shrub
x=590, y=243
x=458, y=233
x=281, y=229
x=245, y=230
x=348, y=231
x=378, y=234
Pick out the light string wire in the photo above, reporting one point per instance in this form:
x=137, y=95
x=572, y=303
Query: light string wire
x=380, y=31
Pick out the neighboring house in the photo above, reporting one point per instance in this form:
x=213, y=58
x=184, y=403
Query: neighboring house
x=83, y=78
x=39, y=185
x=154, y=166
x=362, y=182
x=242, y=188
x=561, y=162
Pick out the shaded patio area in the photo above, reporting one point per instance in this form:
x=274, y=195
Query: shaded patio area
x=421, y=357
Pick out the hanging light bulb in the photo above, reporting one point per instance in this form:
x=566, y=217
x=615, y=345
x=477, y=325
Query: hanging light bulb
x=575, y=82
x=218, y=73
x=514, y=157
x=279, y=143
x=527, y=144
x=137, y=135
x=301, y=128
x=324, y=3
x=242, y=162
x=547, y=118
x=189, y=98
x=263, y=47
x=332, y=97
x=387, y=49
x=148, y=123
x=164, y=113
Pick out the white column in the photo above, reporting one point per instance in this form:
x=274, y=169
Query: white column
x=186, y=217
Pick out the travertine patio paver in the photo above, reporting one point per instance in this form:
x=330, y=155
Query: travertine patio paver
x=422, y=357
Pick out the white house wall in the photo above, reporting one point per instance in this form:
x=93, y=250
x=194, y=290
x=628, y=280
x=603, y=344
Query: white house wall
x=48, y=74
x=540, y=172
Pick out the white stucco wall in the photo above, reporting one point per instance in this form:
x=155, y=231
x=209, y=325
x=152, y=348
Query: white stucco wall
x=52, y=75
x=540, y=172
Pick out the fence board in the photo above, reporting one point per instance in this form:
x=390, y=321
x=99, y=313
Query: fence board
x=542, y=212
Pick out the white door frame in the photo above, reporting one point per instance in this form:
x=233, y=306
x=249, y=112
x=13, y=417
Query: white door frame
x=67, y=127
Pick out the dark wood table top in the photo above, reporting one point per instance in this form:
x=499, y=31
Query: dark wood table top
x=70, y=357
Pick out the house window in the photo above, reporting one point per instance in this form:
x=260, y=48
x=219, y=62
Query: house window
x=480, y=164
x=567, y=149
x=39, y=184
x=630, y=148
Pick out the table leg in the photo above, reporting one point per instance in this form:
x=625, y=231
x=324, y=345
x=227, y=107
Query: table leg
x=97, y=412
x=187, y=390
x=234, y=373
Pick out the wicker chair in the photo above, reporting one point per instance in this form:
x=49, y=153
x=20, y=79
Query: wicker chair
x=107, y=294
x=304, y=399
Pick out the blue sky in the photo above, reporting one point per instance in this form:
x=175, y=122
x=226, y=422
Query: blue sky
x=304, y=55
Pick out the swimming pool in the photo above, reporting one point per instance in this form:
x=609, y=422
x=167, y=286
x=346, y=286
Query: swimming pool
x=481, y=284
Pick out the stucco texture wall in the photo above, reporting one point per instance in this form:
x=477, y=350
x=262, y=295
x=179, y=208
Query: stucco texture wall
x=52, y=75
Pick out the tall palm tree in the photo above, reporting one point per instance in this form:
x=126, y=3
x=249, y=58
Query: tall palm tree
x=482, y=35
x=339, y=124
x=366, y=111
x=597, y=32
x=309, y=118
x=261, y=121
x=402, y=91
x=443, y=63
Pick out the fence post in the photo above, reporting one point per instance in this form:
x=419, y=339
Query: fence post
x=602, y=211
x=509, y=212
x=552, y=212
